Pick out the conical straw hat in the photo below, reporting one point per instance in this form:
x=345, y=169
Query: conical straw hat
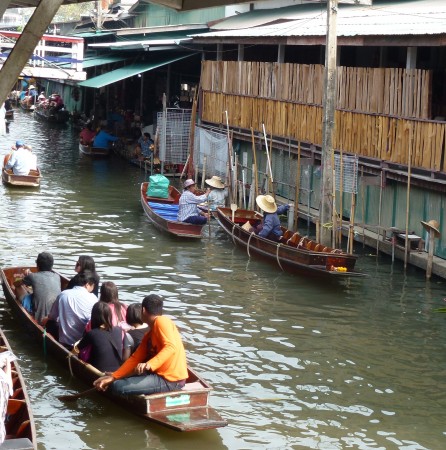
x=215, y=182
x=432, y=225
x=266, y=203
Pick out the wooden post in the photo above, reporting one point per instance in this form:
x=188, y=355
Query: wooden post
x=430, y=255
x=26, y=43
x=203, y=172
x=190, y=159
x=326, y=213
x=409, y=172
x=254, y=156
x=296, y=196
x=231, y=168
x=351, y=231
x=270, y=178
x=378, y=235
x=341, y=196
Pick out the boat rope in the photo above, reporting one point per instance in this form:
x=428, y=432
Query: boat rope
x=277, y=257
x=247, y=246
x=69, y=363
x=232, y=233
x=44, y=342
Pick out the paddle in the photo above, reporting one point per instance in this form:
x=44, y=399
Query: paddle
x=71, y=397
x=234, y=208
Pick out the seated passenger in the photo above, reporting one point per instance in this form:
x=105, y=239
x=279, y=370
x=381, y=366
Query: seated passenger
x=105, y=341
x=109, y=295
x=84, y=262
x=45, y=286
x=22, y=160
x=270, y=226
x=103, y=139
x=188, y=205
x=218, y=194
x=87, y=135
x=139, y=329
x=144, y=147
x=72, y=309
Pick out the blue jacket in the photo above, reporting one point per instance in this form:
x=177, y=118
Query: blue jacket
x=102, y=139
x=271, y=222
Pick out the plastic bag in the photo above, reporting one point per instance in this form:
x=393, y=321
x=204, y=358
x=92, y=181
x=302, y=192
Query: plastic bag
x=158, y=186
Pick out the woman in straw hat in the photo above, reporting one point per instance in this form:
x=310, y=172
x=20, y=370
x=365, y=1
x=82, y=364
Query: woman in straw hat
x=218, y=194
x=270, y=227
x=188, y=205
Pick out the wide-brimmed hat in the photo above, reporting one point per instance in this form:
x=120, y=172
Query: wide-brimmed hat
x=266, y=203
x=432, y=225
x=188, y=183
x=215, y=182
x=32, y=87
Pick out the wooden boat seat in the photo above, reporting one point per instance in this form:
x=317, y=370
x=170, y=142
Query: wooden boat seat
x=192, y=386
x=294, y=240
x=16, y=418
x=319, y=248
x=287, y=235
x=327, y=249
x=311, y=245
x=302, y=243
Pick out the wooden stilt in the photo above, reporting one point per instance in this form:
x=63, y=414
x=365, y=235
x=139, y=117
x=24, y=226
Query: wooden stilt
x=409, y=173
x=296, y=196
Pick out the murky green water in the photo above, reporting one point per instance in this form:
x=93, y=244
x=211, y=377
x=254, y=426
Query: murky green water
x=295, y=363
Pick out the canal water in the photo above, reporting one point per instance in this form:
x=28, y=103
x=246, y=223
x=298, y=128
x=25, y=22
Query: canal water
x=294, y=362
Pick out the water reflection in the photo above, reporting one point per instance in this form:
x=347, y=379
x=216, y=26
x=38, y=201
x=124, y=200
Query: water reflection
x=295, y=363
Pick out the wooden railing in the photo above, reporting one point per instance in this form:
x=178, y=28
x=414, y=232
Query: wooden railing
x=375, y=136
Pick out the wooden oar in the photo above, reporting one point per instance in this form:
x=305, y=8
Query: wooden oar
x=71, y=397
x=234, y=208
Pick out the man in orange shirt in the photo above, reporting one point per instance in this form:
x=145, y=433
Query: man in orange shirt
x=158, y=364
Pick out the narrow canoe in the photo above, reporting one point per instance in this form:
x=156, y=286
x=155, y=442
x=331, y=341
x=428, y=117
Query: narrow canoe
x=95, y=152
x=20, y=427
x=162, y=212
x=184, y=410
x=294, y=253
x=51, y=115
x=30, y=180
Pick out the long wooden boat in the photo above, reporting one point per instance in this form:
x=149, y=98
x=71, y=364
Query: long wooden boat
x=51, y=115
x=184, y=410
x=162, y=212
x=95, y=152
x=30, y=180
x=294, y=253
x=20, y=427
x=9, y=114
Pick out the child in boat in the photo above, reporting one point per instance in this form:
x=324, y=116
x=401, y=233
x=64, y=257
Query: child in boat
x=107, y=349
x=139, y=329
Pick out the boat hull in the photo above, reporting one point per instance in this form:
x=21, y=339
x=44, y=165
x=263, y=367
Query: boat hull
x=20, y=426
x=184, y=410
x=287, y=254
x=172, y=227
x=52, y=116
x=31, y=180
x=94, y=152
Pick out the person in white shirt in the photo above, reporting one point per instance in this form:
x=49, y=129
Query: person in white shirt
x=72, y=308
x=22, y=160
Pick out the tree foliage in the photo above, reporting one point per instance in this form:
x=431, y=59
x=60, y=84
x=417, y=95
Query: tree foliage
x=68, y=13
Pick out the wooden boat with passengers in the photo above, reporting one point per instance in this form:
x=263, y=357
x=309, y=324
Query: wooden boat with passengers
x=162, y=212
x=19, y=422
x=51, y=114
x=294, y=253
x=184, y=410
x=9, y=178
x=95, y=152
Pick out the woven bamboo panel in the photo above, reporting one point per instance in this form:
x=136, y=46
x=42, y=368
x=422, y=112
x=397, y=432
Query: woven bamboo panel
x=375, y=136
x=393, y=91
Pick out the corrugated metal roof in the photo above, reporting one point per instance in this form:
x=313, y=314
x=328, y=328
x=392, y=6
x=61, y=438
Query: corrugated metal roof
x=412, y=17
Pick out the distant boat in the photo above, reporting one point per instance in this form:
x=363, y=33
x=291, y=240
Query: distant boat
x=97, y=152
x=51, y=114
x=9, y=114
x=162, y=212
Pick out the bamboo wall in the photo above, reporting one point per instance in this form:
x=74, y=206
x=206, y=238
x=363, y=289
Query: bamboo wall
x=382, y=137
x=391, y=91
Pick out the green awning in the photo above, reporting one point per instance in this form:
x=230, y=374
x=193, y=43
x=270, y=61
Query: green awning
x=129, y=71
x=100, y=61
x=88, y=34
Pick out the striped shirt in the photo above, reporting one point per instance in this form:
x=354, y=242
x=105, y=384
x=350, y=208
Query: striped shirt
x=188, y=205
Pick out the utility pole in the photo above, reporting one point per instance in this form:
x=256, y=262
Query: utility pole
x=327, y=211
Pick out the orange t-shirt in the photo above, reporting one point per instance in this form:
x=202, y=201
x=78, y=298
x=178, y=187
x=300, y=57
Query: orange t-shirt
x=163, y=349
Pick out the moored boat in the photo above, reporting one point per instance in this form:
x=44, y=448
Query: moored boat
x=51, y=114
x=184, y=410
x=94, y=151
x=20, y=427
x=30, y=180
x=162, y=212
x=294, y=253
x=9, y=114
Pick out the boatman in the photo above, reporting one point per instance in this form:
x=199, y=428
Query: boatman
x=188, y=205
x=158, y=364
x=22, y=160
x=103, y=139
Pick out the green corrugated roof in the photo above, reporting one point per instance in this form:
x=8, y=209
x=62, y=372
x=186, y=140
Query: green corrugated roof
x=88, y=34
x=128, y=71
x=100, y=61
